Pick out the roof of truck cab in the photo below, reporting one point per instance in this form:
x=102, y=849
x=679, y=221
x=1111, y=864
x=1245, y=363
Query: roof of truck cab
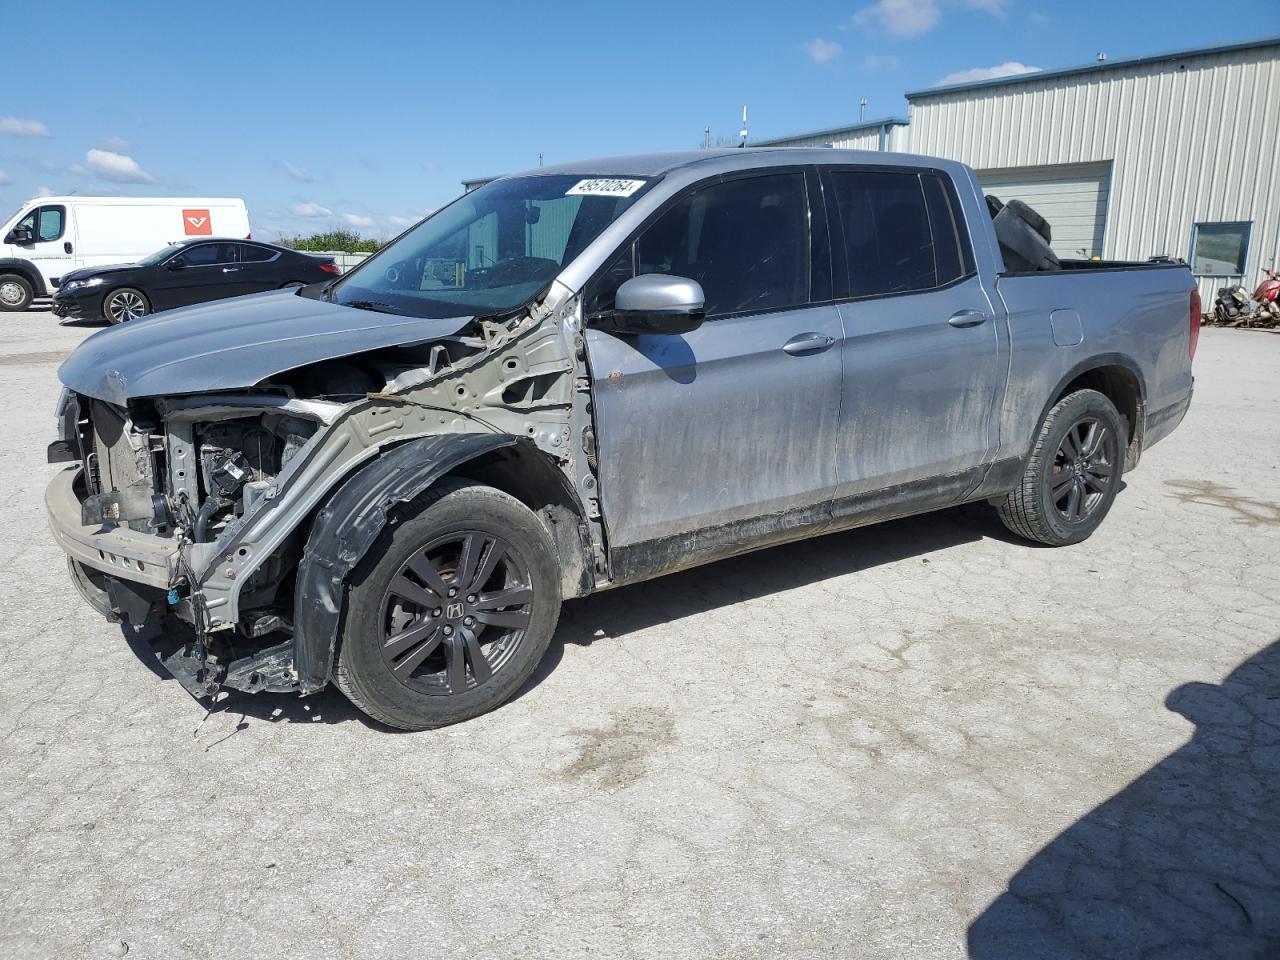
x=723, y=161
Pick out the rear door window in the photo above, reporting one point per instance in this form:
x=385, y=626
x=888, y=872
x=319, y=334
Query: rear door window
x=900, y=231
x=252, y=253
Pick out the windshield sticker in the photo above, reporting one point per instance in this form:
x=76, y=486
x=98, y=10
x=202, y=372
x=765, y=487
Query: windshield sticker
x=604, y=187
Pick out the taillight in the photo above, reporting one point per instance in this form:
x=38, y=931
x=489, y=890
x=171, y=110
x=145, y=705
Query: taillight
x=332, y=267
x=1195, y=324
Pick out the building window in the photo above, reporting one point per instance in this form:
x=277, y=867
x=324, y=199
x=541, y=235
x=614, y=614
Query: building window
x=1219, y=249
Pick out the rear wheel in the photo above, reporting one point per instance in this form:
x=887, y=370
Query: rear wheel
x=1072, y=476
x=292, y=285
x=125, y=304
x=451, y=611
x=15, y=292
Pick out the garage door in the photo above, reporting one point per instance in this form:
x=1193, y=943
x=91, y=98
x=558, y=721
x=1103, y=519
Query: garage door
x=1072, y=198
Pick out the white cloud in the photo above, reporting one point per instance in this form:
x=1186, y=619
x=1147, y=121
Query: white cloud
x=43, y=192
x=356, y=220
x=1010, y=69
x=115, y=144
x=402, y=221
x=821, y=51
x=308, y=209
x=17, y=127
x=116, y=166
x=296, y=172
x=911, y=18
x=904, y=18
x=880, y=61
x=5, y=179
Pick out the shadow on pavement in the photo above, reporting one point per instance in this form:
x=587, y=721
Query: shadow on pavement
x=615, y=613
x=618, y=612
x=1183, y=863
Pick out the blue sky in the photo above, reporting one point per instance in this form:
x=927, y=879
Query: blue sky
x=369, y=114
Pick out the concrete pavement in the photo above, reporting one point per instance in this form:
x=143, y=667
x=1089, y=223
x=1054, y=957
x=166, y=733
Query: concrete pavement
x=848, y=747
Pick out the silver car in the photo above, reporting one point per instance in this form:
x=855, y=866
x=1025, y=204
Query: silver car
x=586, y=376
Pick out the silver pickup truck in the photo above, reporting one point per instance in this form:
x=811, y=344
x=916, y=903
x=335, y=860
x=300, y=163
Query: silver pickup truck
x=586, y=376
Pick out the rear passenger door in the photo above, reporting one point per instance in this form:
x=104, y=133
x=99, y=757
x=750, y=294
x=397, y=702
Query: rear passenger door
x=921, y=351
x=722, y=437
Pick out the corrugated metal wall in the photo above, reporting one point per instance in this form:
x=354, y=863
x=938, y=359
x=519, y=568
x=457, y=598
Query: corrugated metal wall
x=1191, y=141
x=863, y=139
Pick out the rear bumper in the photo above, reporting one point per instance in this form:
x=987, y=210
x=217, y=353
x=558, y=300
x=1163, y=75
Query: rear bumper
x=117, y=551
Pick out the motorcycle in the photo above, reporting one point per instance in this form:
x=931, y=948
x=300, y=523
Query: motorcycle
x=1234, y=306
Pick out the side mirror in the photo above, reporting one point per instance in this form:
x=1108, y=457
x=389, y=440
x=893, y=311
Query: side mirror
x=657, y=303
x=18, y=235
x=175, y=263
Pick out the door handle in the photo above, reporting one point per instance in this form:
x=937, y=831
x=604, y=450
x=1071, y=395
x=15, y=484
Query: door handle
x=967, y=318
x=66, y=247
x=803, y=343
x=230, y=269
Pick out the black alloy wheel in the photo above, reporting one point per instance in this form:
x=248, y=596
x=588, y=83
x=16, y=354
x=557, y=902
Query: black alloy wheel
x=1073, y=473
x=451, y=609
x=456, y=613
x=1083, y=469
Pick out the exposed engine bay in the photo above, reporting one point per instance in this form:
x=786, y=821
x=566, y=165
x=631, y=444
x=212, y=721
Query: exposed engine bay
x=226, y=478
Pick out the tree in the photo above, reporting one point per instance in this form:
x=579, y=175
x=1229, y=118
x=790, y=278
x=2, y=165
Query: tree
x=347, y=241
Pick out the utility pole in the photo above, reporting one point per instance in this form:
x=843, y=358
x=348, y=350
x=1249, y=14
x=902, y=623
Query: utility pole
x=862, y=110
x=743, y=132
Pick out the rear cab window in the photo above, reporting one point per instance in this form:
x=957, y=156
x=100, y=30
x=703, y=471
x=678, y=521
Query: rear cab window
x=894, y=231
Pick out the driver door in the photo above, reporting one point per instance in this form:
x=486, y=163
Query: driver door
x=721, y=439
x=50, y=248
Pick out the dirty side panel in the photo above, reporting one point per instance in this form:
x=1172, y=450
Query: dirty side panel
x=714, y=426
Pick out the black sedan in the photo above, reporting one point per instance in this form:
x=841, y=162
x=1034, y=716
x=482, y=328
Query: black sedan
x=184, y=273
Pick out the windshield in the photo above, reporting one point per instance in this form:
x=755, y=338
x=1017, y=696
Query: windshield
x=159, y=255
x=491, y=250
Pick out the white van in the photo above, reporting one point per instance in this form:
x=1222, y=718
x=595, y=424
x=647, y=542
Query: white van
x=51, y=236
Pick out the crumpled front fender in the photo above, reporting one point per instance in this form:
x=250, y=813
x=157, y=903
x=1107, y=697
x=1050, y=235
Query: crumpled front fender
x=346, y=528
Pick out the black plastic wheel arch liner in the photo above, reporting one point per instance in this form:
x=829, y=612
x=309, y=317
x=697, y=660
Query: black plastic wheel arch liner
x=346, y=528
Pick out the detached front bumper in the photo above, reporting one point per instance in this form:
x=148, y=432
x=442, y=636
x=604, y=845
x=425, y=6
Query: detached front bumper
x=116, y=551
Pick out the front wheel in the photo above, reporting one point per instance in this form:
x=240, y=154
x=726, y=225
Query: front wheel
x=15, y=292
x=451, y=611
x=1073, y=474
x=125, y=304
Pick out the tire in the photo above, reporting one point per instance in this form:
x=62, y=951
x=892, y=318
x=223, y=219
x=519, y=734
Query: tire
x=16, y=292
x=127, y=303
x=459, y=654
x=1053, y=504
x=1031, y=217
x=292, y=285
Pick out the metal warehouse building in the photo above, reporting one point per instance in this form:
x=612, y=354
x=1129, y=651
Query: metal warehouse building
x=1176, y=153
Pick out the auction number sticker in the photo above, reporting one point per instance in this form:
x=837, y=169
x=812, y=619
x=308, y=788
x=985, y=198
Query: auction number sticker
x=604, y=187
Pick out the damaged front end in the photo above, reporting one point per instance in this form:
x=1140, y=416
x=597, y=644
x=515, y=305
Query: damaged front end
x=217, y=507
